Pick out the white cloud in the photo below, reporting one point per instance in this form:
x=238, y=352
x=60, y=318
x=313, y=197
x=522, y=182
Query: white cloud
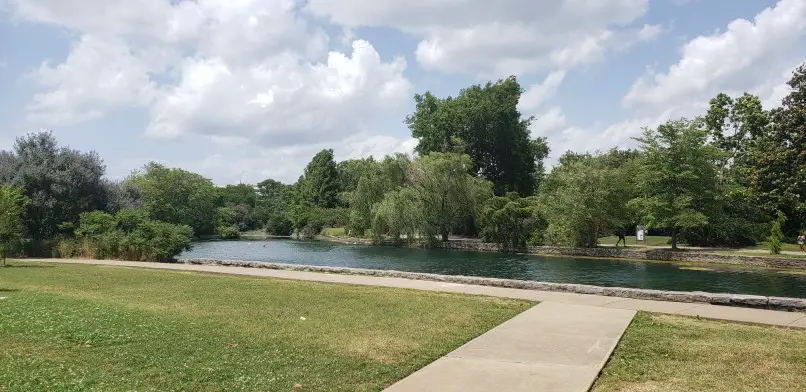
x=514, y=37
x=98, y=75
x=538, y=93
x=649, y=32
x=548, y=121
x=746, y=54
x=236, y=72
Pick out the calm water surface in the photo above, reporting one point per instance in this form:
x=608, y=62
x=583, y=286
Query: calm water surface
x=600, y=272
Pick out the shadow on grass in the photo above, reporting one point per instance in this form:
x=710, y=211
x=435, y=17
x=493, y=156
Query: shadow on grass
x=4, y=290
x=25, y=266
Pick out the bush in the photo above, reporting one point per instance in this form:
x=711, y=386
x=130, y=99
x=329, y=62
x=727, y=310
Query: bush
x=776, y=235
x=128, y=235
x=229, y=232
x=279, y=224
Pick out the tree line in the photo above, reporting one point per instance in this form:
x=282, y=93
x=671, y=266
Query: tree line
x=732, y=176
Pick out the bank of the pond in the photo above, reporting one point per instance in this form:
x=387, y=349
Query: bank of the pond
x=604, y=272
x=605, y=252
x=753, y=301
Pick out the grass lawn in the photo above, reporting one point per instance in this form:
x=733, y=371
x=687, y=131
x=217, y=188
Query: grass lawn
x=83, y=328
x=334, y=232
x=765, y=254
x=651, y=240
x=787, y=247
x=677, y=353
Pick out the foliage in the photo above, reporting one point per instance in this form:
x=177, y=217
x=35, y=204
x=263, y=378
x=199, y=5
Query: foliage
x=60, y=183
x=512, y=222
x=279, y=224
x=321, y=182
x=776, y=235
x=678, y=177
x=273, y=201
x=128, y=235
x=378, y=179
x=398, y=215
x=484, y=123
x=238, y=216
x=446, y=192
x=586, y=197
x=229, y=232
x=178, y=196
x=12, y=206
x=775, y=165
x=350, y=173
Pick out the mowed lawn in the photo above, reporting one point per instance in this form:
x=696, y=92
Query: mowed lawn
x=83, y=328
x=678, y=353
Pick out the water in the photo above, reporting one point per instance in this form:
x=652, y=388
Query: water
x=600, y=272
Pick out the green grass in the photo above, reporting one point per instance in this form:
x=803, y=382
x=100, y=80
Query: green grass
x=651, y=240
x=676, y=353
x=787, y=247
x=766, y=254
x=98, y=328
x=334, y=232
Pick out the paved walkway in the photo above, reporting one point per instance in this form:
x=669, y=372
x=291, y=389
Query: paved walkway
x=550, y=347
x=730, y=313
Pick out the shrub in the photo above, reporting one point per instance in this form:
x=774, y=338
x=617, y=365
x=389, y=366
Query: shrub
x=229, y=232
x=128, y=235
x=279, y=224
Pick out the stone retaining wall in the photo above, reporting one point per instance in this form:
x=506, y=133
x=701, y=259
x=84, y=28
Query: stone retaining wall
x=753, y=301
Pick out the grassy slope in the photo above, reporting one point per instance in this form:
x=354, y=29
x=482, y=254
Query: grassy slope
x=77, y=327
x=676, y=353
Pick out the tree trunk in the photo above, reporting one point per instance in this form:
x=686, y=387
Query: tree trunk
x=444, y=235
x=674, y=238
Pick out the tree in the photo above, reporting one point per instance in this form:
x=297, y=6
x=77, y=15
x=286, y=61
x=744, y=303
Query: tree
x=511, y=221
x=179, y=197
x=678, y=177
x=322, y=181
x=484, y=123
x=775, y=166
x=12, y=205
x=60, y=183
x=397, y=215
x=380, y=178
x=350, y=172
x=273, y=201
x=586, y=197
x=240, y=194
x=446, y=192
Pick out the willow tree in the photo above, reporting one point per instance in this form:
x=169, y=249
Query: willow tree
x=446, y=192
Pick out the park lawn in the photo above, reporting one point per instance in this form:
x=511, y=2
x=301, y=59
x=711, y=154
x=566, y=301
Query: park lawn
x=334, y=232
x=82, y=328
x=786, y=247
x=651, y=240
x=678, y=353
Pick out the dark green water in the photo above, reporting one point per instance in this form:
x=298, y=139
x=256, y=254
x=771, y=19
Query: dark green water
x=600, y=272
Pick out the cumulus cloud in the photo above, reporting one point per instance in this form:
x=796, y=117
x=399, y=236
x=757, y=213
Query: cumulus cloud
x=235, y=72
x=748, y=53
x=513, y=37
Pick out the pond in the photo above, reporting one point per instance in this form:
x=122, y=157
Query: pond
x=599, y=272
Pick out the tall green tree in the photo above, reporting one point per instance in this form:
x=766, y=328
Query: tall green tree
x=12, y=205
x=60, y=183
x=322, y=182
x=484, y=123
x=678, y=177
x=397, y=215
x=586, y=197
x=446, y=192
x=776, y=166
x=178, y=196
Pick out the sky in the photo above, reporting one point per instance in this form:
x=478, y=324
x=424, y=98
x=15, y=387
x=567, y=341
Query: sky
x=245, y=90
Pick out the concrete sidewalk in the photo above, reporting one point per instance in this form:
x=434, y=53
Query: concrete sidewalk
x=759, y=316
x=550, y=347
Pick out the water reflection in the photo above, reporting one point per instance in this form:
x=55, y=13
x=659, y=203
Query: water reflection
x=601, y=272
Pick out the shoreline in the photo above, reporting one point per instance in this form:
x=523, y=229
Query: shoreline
x=725, y=299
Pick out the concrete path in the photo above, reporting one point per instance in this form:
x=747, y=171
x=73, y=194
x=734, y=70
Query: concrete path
x=758, y=316
x=550, y=347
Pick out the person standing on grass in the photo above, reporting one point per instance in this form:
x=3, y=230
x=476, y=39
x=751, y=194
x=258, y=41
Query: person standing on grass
x=801, y=239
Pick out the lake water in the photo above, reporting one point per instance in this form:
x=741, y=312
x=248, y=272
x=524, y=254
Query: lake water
x=600, y=272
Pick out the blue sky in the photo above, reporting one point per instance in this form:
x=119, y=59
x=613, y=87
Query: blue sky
x=250, y=89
